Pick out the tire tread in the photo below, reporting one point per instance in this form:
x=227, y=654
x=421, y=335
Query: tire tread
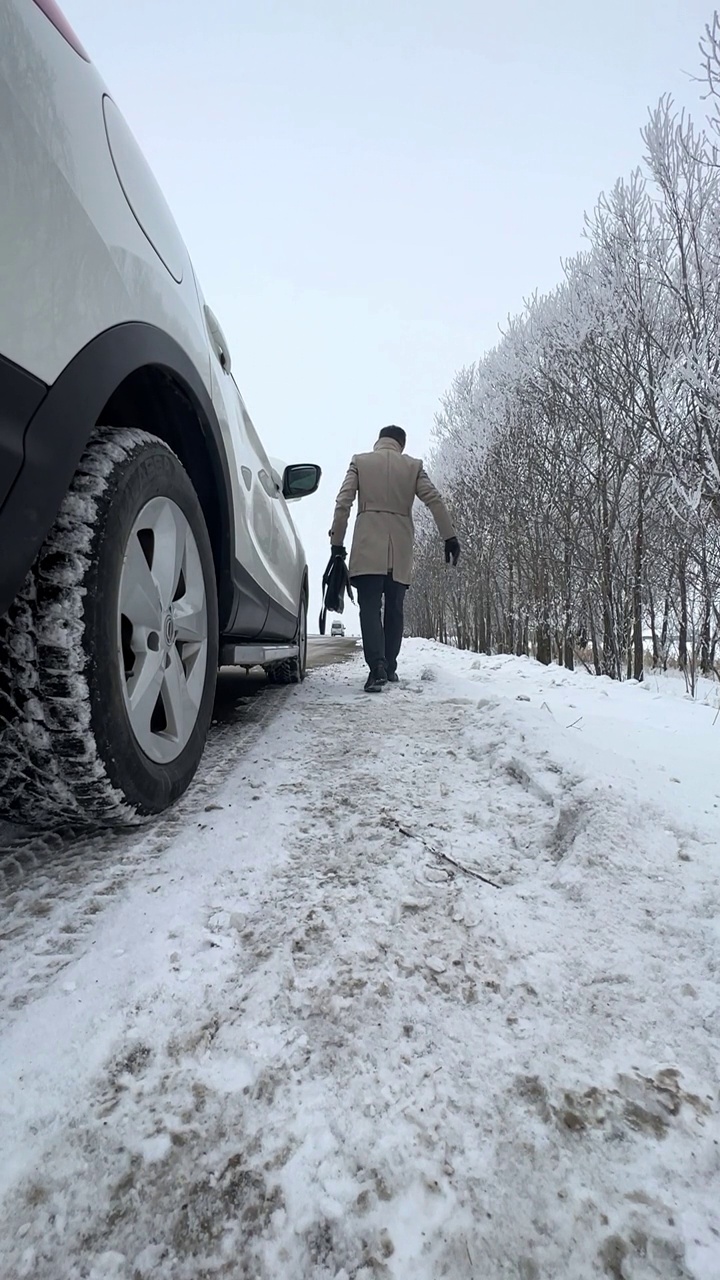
x=51, y=773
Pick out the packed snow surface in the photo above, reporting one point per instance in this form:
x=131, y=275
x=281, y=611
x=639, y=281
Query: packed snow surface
x=426, y=987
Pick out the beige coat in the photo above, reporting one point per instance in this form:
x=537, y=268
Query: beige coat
x=386, y=483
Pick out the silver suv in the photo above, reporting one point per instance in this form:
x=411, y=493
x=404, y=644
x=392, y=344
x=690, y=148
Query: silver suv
x=145, y=534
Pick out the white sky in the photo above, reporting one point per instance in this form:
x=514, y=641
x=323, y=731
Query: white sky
x=368, y=187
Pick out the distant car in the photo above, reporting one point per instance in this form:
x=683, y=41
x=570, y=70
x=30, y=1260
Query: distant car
x=337, y=629
x=145, y=536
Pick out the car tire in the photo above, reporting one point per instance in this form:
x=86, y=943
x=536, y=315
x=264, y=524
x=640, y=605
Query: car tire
x=293, y=670
x=81, y=739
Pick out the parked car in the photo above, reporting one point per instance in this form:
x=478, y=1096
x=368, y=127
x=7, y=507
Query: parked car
x=145, y=536
x=337, y=629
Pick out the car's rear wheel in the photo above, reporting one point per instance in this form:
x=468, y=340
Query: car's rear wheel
x=109, y=654
x=293, y=670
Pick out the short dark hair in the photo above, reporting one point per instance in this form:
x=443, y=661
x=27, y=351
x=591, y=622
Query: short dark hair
x=394, y=433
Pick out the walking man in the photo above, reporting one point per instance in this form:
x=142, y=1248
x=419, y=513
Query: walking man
x=386, y=483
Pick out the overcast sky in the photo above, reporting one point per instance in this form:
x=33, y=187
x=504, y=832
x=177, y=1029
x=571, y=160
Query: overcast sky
x=368, y=187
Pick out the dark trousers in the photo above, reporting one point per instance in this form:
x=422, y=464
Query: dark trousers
x=381, y=633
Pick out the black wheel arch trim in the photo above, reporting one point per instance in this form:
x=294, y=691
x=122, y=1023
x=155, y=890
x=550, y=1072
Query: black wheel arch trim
x=20, y=395
x=60, y=427
x=279, y=624
x=259, y=615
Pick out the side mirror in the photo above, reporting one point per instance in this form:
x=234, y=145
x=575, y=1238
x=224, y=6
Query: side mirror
x=300, y=480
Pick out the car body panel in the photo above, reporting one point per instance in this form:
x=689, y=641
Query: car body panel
x=81, y=262
x=93, y=273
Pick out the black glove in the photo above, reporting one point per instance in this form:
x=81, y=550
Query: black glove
x=339, y=551
x=452, y=550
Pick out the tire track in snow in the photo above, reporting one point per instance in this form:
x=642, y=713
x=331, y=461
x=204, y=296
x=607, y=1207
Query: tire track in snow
x=53, y=887
x=68, y=880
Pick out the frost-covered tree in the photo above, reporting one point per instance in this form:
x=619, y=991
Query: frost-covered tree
x=582, y=454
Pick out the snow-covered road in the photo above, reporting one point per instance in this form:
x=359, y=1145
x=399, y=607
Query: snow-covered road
x=294, y=1036
x=42, y=876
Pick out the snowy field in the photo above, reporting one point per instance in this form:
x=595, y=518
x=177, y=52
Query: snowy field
x=425, y=985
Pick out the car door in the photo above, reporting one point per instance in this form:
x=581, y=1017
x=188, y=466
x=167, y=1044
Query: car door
x=253, y=504
x=288, y=553
x=285, y=561
x=267, y=576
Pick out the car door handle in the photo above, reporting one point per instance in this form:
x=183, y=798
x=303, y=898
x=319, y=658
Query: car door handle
x=217, y=338
x=268, y=484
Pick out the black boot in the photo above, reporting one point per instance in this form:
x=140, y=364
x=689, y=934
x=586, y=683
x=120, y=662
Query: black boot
x=376, y=679
x=393, y=677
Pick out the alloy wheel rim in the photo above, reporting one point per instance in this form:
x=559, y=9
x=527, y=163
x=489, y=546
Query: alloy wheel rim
x=162, y=630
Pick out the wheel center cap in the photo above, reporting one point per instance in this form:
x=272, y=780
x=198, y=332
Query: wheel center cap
x=169, y=630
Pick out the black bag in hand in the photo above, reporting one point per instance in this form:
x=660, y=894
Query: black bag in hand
x=336, y=581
